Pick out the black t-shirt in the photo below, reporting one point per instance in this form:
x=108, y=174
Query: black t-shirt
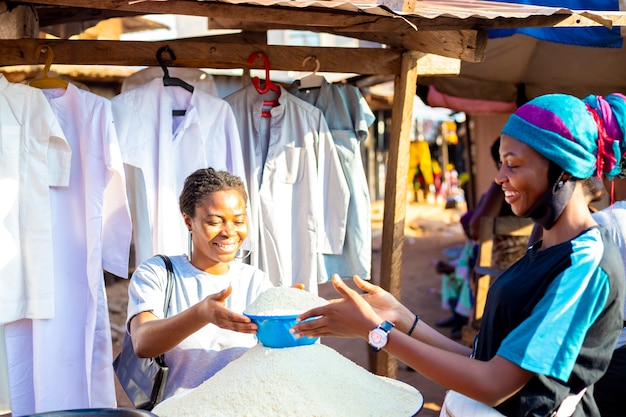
x=541, y=282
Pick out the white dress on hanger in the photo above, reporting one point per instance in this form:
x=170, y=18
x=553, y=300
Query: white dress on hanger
x=162, y=150
x=71, y=363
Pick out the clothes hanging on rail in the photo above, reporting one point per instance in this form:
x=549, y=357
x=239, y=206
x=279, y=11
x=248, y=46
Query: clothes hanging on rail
x=160, y=150
x=348, y=116
x=298, y=194
x=69, y=363
x=194, y=76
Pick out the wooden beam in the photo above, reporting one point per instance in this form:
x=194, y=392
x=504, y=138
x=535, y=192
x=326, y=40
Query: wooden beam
x=395, y=191
x=199, y=54
x=467, y=45
x=403, y=32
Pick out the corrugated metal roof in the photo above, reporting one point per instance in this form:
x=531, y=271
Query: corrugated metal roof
x=434, y=9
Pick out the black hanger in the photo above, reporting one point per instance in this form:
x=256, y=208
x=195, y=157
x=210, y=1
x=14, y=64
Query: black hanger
x=172, y=81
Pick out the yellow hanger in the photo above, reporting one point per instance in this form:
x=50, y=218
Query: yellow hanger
x=46, y=81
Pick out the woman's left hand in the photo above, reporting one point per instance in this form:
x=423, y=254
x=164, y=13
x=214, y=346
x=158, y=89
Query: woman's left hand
x=350, y=316
x=225, y=318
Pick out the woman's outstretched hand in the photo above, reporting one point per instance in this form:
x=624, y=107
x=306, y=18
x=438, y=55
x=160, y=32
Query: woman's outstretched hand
x=383, y=302
x=225, y=318
x=350, y=316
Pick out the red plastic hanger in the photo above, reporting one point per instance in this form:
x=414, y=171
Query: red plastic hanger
x=269, y=85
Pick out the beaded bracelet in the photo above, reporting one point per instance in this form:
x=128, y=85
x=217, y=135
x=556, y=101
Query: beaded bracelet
x=417, y=318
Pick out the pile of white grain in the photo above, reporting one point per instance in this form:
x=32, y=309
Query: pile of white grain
x=284, y=301
x=302, y=381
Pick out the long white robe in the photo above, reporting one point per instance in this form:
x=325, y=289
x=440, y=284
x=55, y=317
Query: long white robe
x=34, y=156
x=70, y=360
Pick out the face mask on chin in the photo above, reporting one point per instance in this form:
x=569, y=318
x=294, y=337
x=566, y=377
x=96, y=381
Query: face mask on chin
x=547, y=209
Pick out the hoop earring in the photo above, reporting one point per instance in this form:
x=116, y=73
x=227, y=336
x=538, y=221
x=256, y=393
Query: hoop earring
x=243, y=254
x=559, y=183
x=189, y=245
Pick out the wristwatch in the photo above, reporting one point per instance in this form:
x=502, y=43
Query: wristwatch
x=378, y=336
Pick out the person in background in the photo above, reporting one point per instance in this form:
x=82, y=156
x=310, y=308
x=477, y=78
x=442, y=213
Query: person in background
x=457, y=276
x=552, y=319
x=610, y=390
x=205, y=329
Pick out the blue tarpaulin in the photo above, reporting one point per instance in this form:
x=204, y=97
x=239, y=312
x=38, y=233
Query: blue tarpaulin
x=582, y=36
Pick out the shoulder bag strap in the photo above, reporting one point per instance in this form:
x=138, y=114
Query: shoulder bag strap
x=170, y=284
x=168, y=296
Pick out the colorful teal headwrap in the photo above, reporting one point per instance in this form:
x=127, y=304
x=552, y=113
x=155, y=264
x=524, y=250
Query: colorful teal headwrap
x=610, y=115
x=582, y=137
x=564, y=130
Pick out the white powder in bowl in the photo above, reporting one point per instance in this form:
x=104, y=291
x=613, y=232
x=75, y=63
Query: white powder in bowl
x=304, y=381
x=284, y=301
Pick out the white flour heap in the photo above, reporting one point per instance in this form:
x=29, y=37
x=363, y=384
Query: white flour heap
x=284, y=301
x=303, y=381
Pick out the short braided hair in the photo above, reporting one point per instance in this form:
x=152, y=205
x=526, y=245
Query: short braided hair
x=205, y=181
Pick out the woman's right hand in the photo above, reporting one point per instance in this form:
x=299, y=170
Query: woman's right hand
x=385, y=304
x=222, y=317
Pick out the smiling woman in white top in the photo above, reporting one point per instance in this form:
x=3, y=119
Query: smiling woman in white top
x=205, y=328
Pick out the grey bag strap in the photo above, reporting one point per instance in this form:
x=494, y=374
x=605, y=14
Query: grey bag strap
x=168, y=295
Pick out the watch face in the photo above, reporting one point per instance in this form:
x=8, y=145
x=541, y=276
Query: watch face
x=378, y=337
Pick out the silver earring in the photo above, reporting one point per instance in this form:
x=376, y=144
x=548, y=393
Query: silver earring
x=189, y=245
x=559, y=183
x=243, y=254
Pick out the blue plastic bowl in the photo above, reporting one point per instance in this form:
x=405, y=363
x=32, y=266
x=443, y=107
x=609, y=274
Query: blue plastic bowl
x=273, y=331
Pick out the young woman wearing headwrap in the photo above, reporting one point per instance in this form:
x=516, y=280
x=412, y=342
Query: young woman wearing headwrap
x=552, y=319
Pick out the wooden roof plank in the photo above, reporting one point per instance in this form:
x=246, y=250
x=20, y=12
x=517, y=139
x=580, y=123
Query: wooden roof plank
x=199, y=54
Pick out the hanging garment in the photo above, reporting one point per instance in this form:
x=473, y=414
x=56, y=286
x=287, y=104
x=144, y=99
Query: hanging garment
x=298, y=193
x=161, y=150
x=194, y=76
x=71, y=356
x=34, y=155
x=348, y=116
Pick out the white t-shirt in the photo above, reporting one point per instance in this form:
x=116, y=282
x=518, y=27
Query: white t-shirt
x=614, y=219
x=208, y=350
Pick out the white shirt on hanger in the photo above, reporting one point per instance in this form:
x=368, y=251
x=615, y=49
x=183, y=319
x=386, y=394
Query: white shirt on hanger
x=71, y=356
x=164, y=150
x=348, y=116
x=298, y=194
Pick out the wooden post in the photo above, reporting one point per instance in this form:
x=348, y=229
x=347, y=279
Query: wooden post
x=405, y=85
x=18, y=22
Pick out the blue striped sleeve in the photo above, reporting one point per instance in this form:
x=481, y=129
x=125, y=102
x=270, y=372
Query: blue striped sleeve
x=549, y=340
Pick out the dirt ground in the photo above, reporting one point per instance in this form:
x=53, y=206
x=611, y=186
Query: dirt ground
x=430, y=230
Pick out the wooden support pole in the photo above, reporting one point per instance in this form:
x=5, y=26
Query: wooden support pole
x=18, y=22
x=395, y=191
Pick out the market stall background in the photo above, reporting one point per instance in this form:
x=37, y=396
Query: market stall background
x=422, y=38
